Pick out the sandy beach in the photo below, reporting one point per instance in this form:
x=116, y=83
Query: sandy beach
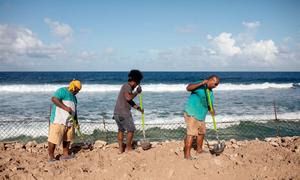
x=272, y=158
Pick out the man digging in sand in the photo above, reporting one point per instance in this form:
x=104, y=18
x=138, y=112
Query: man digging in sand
x=195, y=112
x=61, y=128
x=122, y=113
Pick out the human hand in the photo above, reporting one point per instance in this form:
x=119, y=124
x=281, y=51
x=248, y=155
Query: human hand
x=139, y=89
x=140, y=109
x=212, y=112
x=204, y=81
x=68, y=109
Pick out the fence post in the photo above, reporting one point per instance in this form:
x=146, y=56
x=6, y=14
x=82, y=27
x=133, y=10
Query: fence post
x=104, y=126
x=276, y=119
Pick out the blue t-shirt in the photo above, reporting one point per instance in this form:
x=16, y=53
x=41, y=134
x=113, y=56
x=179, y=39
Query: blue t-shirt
x=197, y=104
x=58, y=115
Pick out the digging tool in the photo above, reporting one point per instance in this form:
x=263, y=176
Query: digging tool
x=85, y=145
x=144, y=142
x=220, y=146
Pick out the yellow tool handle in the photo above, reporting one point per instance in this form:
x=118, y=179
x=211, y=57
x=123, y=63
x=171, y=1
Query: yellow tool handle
x=76, y=126
x=211, y=108
x=141, y=106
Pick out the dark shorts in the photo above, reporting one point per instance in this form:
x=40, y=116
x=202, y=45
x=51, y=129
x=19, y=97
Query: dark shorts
x=125, y=123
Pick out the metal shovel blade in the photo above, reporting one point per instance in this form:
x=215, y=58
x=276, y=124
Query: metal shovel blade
x=218, y=148
x=145, y=144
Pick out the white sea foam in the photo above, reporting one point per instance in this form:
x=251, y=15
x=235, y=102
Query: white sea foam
x=24, y=88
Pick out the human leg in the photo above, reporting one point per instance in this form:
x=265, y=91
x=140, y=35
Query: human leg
x=200, y=138
x=51, y=148
x=129, y=140
x=191, y=131
x=201, y=135
x=187, y=146
x=66, y=146
x=120, y=138
x=55, y=137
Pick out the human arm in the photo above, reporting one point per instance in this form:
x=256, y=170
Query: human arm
x=130, y=96
x=60, y=104
x=194, y=86
x=132, y=103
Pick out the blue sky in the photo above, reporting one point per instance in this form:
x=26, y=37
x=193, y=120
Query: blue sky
x=170, y=35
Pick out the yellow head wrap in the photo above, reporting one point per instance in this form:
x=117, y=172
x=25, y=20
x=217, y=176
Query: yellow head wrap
x=73, y=84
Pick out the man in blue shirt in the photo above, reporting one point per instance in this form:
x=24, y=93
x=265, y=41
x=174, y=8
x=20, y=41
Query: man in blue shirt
x=195, y=112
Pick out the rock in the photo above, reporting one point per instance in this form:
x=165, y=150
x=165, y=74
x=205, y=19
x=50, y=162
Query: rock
x=275, y=144
x=8, y=159
x=155, y=144
x=8, y=146
x=31, y=144
x=196, y=166
x=113, y=145
x=19, y=146
x=268, y=139
x=139, y=149
x=233, y=141
x=239, y=143
x=178, y=150
x=99, y=144
x=287, y=139
x=235, y=146
x=227, y=143
x=42, y=145
x=2, y=146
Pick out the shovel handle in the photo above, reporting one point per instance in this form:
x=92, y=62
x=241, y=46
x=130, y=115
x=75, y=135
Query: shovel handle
x=76, y=126
x=210, y=106
x=141, y=106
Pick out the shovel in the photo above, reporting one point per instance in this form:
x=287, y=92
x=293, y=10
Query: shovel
x=220, y=146
x=85, y=145
x=144, y=143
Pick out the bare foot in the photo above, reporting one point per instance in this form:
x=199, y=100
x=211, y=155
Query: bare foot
x=128, y=149
x=200, y=151
x=122, y=149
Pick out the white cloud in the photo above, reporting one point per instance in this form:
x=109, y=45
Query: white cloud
x=251, y=25
x=225, y=44
x=262, y=50
x=18, y=42
x=59, y=29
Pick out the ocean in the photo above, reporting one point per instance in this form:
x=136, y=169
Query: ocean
x=241, y=96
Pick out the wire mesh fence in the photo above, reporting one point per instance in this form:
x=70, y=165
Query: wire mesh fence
x=106, y=129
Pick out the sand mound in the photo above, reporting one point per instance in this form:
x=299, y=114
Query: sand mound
x=274, y=158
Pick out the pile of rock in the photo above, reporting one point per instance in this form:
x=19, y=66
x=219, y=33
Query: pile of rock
x=232, y=143
x=31, y=146
x=285, y=142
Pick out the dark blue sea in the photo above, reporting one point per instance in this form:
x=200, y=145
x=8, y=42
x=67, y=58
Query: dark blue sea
x=241, y=96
